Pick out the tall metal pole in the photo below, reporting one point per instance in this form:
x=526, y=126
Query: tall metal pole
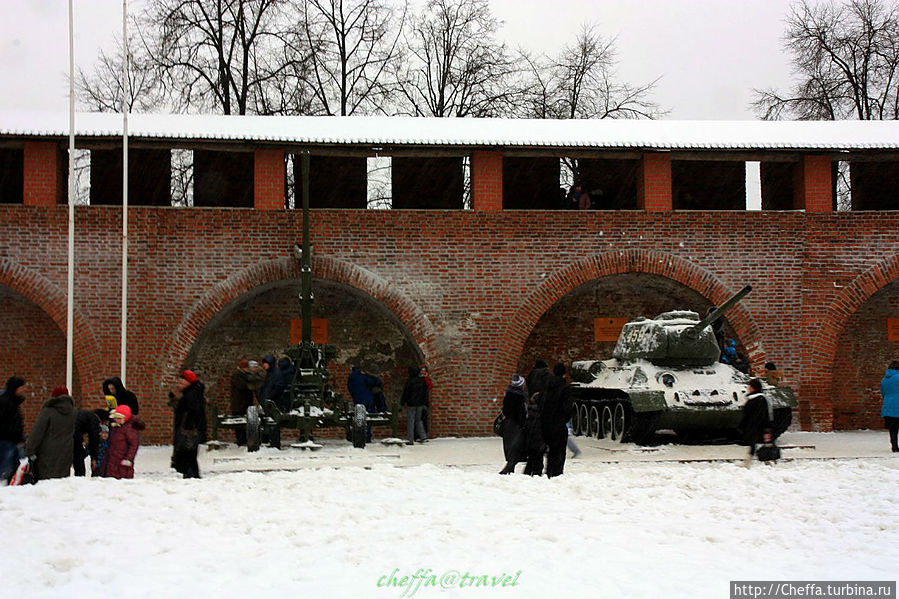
x=70, y=300
x=125, y=89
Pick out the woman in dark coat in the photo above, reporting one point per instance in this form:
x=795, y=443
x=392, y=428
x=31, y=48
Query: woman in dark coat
x=49, y=445
x=190, y=424
x=514, y=414
x=124, y=440
x=114, y=386
x=415, y=398
x=758, y=417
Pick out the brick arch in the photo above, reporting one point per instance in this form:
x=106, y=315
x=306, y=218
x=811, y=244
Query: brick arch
x=823, y=347
x=243, y=281
x=52, y=300
x=566, y=280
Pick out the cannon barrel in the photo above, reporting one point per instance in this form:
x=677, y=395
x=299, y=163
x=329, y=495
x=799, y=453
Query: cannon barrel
x=697, y=328
x=306, y=264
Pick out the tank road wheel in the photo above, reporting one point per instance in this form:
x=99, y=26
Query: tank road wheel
x=360, y=426
x=574, y=417
x=584, y=422
x=254, y=428
x=605, y=430
x=619, y=423
x=594, y=427
x=782, y=419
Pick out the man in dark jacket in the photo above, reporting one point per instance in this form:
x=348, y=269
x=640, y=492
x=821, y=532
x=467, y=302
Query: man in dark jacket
x=244, y=381
x=114, y=386
x=49, y=446
x=86, y=423
x=758, y=416
x=415, y=398
x=12, y=427
x=273, y=379
x=555, y=411
x=190, y=424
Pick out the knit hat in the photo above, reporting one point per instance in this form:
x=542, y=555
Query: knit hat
x=517, y=381
x=60, y=390
x=253, y=364
x=189, y=376
x=123, y=411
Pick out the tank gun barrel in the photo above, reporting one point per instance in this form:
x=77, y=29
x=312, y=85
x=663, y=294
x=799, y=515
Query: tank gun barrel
x=697, y=328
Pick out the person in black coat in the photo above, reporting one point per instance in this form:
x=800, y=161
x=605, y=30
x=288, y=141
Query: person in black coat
x=86, y=423
x=532, y=444
x=12, y=427
x=555, y=411
x=515, y=415
x=114, y=386
x=538, y=378
x=415, y=398
x=758, y=417
x=189, y=424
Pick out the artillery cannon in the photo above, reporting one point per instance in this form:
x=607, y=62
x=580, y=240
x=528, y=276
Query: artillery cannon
x=665, y=374
x=307, y=402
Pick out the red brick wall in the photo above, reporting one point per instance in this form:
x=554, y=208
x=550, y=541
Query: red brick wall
x=654, y=184
x=468, y=287
x=268, y=182
x=487, y=181
x=41, y=174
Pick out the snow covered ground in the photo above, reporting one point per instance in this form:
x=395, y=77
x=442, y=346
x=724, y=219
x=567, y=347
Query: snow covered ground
x=674, y=521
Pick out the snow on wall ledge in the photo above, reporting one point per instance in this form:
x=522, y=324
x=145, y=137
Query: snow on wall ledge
x=607, y=133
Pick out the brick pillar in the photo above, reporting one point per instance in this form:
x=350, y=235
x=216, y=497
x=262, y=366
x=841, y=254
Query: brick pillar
x=654, y=183
x=268, y=180
x=813, y=184
x=487, y=181
x=41, y=183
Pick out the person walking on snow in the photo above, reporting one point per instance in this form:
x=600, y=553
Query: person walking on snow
x=12, y=427
x=415, y=398
x=49, y=446
x=124, y=440
x=889, y=390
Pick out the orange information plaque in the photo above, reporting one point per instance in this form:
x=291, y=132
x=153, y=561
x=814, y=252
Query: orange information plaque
x=319, y=330
x=893, y=329
x=607, y=329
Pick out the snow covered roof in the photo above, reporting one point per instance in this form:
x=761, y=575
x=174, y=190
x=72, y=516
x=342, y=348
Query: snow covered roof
x=520, y=133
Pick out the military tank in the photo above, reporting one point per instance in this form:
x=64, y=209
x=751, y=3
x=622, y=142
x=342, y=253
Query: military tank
x=665, y=374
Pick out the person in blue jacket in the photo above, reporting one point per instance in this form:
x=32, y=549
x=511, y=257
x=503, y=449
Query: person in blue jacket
x=361, y=386
x=889, y=389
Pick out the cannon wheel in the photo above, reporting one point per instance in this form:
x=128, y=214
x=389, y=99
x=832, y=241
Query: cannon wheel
x=254, y=428
x=360, y=426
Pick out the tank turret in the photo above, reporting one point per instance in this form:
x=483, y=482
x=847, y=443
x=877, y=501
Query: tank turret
x=677, y=338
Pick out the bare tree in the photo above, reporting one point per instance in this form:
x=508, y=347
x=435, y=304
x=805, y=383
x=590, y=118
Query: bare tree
x=101, y=90
x=228, y=56
x=846, y=63
x=455, y=66
x=354, y=43
x=583, y=83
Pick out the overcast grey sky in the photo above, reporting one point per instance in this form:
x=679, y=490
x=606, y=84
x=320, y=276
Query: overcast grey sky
x=710, y=54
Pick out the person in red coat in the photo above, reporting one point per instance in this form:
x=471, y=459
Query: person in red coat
x=124, y=439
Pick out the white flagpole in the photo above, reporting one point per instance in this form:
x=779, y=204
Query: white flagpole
x=70, y=301
x=124, y=190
